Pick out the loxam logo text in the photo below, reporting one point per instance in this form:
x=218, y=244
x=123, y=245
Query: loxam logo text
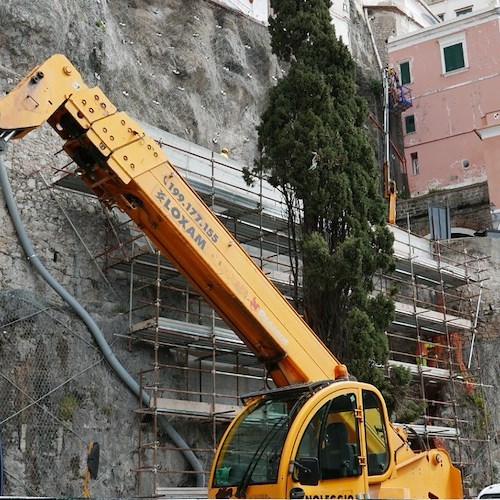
x=181, y=220
x=329, y=496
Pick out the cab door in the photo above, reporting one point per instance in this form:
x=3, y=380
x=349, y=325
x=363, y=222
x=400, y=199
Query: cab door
x=328, y=451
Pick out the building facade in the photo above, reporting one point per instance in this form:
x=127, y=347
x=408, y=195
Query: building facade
x=447, y=10
x=454, y=77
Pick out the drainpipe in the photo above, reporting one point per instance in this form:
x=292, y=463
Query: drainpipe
x=129, y=381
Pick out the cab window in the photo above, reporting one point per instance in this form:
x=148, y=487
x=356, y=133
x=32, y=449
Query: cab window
x=340, y=442
x=309, y=444
x=332, y=437
x=377, y=453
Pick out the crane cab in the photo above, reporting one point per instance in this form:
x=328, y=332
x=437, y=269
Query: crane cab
x=318, y=440
x=329, y=439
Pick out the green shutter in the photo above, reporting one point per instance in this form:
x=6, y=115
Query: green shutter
x=454, y=57
x=404, y=71
x=410, y=123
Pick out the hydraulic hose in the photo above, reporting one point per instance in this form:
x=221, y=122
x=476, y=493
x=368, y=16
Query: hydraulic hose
x=87, y=319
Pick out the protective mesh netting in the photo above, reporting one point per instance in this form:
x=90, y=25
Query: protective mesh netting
x=46, y=364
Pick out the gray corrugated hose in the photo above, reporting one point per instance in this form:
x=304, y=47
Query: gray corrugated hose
x=87, y=319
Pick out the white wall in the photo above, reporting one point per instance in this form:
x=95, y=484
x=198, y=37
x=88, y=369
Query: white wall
x=259, y=10
x=341, y=18
x=255, y=9
x=448, y=8
x=416, y=11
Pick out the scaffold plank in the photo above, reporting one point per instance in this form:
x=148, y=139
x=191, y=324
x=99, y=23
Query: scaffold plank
x=426, y=371
x=432, y=430
x=193, y=493
x=199, y=408
x=435, y=322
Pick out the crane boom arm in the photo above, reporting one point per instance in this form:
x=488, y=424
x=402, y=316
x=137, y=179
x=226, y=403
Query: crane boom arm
x=127, y=168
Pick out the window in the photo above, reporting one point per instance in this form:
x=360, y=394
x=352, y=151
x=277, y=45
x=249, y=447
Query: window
x=339, y=448
x=415, y=168
x=253, y=451
x=453, y=54
x=462, y=12
x=410, y=124
x=404, y=71
x=453, y=57
x=309, y=444
x=332, y=436
x=377, y=449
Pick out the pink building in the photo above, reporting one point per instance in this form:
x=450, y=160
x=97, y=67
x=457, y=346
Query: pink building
x=453, y=71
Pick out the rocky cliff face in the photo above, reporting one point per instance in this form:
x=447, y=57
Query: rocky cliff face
x=192, y=68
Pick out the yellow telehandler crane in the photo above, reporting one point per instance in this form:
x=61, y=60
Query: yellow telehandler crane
x=320, y=433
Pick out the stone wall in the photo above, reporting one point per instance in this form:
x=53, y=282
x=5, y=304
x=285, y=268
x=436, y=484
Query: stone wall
x=469, y=208
x=67, y=230
x=47, y=352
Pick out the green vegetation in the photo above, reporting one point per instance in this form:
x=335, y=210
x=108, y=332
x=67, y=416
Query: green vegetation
x=376, y=87
x=314, y=148
x=107, y=410
x=476, y=399
x=119, y=309
x=435, y=190
x=67, y=407
x=407, y=409
x=410, y=411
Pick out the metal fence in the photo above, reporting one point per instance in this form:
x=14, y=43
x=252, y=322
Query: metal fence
x=53, y=402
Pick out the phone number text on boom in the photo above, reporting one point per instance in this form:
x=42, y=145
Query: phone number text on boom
x=177, y=214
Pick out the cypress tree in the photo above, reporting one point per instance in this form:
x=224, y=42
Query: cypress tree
x=315, y=149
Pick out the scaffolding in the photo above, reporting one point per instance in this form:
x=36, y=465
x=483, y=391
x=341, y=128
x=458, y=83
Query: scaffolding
x=437, y=288
x=199, y=368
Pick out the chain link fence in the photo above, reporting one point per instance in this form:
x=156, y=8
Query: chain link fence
x=56, y=396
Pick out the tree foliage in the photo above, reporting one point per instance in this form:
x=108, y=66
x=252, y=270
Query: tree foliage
x=314, y=148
